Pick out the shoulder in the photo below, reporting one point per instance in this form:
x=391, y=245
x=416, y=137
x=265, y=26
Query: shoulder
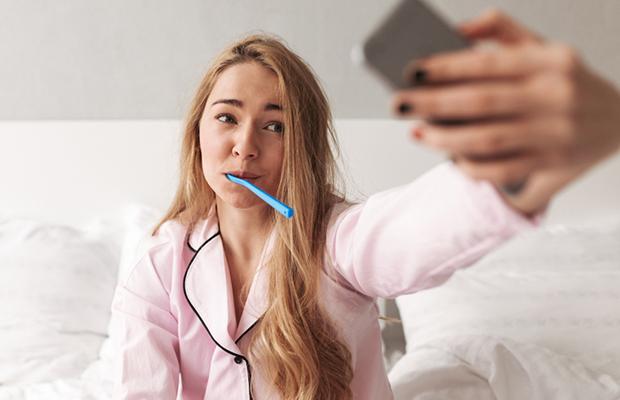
x=147, y=291
x=339, y=208
x=171, y=234
x=338, y=213
x=156, y=254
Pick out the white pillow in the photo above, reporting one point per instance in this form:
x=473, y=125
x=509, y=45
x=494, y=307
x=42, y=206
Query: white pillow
x=56, y=284
x=557, y=286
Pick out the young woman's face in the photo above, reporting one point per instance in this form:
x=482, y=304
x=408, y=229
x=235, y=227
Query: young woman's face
x=241, y=133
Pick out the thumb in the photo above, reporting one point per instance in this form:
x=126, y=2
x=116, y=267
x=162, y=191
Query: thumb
x=495, y=25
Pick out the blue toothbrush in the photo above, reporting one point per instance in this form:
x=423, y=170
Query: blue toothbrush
x=269, y=199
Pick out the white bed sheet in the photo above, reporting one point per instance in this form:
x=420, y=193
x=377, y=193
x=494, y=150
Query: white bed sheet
x=539, y=318
x=492, y=368
x=95, y=383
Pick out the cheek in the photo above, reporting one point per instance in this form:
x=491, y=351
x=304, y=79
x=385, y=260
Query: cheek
x=212, y=143
x=213, y=153
x=275, y=163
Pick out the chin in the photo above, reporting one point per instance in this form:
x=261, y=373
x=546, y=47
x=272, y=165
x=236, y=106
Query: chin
x=235, y=195
x=240, y=200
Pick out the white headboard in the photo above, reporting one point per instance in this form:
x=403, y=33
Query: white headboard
x=71, y=171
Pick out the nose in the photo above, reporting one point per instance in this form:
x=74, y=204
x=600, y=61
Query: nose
x=245, y=145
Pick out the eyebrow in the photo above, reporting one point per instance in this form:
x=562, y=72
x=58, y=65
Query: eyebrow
x=239, y=103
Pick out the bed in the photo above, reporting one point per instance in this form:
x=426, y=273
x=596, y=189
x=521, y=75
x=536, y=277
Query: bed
x=539, y=318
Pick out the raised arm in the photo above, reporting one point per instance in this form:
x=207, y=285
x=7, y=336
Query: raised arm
x=415, y=236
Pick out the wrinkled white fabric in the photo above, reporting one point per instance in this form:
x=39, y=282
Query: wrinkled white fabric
x=493, y=368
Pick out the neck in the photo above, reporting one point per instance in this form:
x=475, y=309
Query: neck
x=243, y=231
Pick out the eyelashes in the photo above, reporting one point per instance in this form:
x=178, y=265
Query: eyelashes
x=227, y=118
x=280, y=127
x=223, y=115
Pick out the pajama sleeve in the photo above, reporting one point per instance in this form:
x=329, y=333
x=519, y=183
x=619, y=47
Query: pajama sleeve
x=415, y=236
x=147, y=364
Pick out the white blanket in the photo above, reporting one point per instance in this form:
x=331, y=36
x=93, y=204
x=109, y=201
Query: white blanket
x=484, y=367
x=95, y=383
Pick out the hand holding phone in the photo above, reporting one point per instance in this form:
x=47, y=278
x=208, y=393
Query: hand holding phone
x=412, y=31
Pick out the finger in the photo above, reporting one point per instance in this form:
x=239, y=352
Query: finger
x=495, y=24
x=501, y=172
x=469, y=64
x=466, y=101
x=542, y=93
x=494, y=137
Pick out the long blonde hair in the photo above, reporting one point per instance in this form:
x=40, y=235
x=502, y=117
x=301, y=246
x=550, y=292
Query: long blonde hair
x=298, y=347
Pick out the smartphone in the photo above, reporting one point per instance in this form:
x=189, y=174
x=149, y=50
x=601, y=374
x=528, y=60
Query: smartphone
x=411, y=31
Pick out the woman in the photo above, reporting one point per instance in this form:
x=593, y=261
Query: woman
x=241, y=303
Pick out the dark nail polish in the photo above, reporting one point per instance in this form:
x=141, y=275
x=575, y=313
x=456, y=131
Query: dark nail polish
x=515, y=188
x=419, y=76
x=404, y=108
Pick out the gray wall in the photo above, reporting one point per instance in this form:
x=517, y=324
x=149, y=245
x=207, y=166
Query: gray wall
x=122, y=59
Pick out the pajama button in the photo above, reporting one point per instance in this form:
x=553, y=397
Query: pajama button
x=238, y=359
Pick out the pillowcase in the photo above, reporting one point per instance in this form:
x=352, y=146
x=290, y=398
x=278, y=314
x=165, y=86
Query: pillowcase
x=56, y=285
x=556, y=286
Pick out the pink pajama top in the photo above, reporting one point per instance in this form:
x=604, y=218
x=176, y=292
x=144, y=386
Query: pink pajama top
x=179, y=328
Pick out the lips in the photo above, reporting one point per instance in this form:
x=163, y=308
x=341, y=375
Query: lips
x=243, y=174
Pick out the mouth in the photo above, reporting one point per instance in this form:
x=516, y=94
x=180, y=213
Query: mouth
x=243, y=175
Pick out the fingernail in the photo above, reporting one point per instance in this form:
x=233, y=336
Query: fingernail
x=418, y=134
x=419, y=76
x=512, y=189
x=404, y=108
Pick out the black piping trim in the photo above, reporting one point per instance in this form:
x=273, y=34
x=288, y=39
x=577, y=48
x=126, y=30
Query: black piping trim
x=247, y=330
x=190, y=246
x=247, y=363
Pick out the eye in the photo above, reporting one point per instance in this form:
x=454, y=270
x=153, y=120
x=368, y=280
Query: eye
x=223, y=117
x=278, y=127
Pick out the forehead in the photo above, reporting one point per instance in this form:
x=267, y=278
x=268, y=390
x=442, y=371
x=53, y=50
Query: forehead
x=248, y=82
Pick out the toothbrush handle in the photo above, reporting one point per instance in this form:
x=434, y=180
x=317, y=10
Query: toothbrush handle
x=273, y=202
x=269, y=199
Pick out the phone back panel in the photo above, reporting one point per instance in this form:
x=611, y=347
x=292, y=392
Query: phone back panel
x=412, y=30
